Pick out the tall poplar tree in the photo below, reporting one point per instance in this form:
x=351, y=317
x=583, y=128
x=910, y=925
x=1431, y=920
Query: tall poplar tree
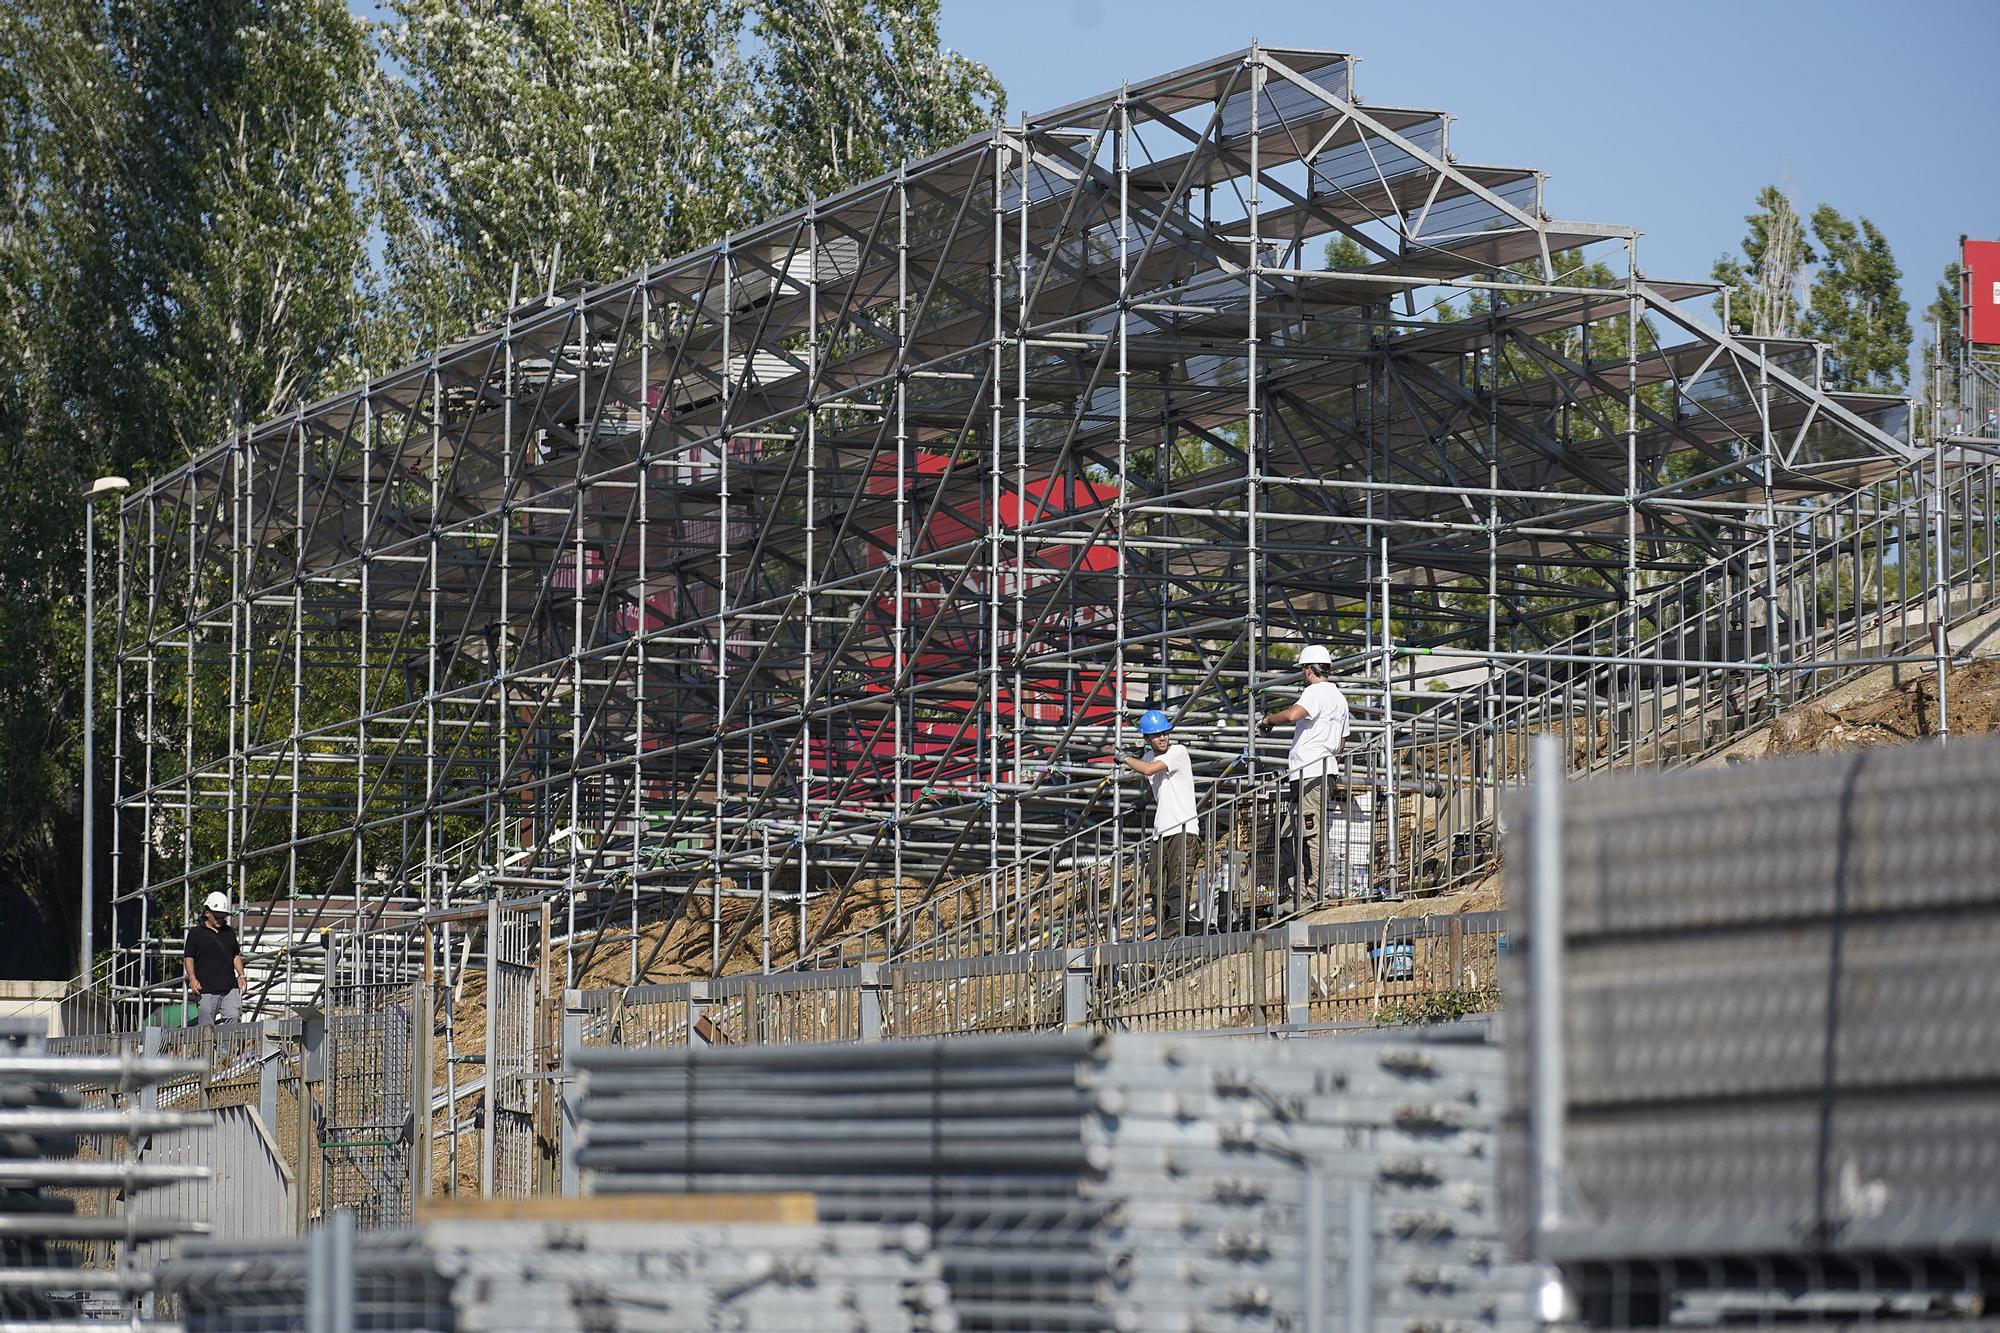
x=1857, y=306
x=181, y=254
x=1763, y=284
x=1942, y=333
x=519, y=144
x=525, y=143
x=848, y=88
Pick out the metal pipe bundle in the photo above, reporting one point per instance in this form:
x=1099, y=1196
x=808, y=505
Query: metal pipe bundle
x=980, y=1140
x=1771, y=1080
x=607, y=1277
x=618, y=1276
x=1079, y=1182
x=70, y=1234
x=248, y=1286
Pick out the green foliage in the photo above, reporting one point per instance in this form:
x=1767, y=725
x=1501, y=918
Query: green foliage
x=1344, y=252
x=1943, y=313
x=520, y=144
x=1857, y=306
x=215, y=212
x=1943, y=338
x=1444, y=1006
x=848, y=88
x=1763, y=295
x=267, y=239
x=37, y=688
x=181, y=252
x=514, y=144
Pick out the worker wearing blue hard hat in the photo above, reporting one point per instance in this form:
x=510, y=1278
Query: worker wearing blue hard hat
x=1176, y=849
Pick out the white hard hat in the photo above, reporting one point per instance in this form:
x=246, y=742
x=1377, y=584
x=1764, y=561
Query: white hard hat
x=1314, y=654
x=217, y=903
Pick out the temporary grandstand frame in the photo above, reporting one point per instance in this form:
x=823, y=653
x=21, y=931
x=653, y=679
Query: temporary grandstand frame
x=842, y=550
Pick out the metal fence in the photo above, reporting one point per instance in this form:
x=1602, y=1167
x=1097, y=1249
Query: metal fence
x=268, y=1068
x=1402, y=969
x=344, y=1107
x=367, y=1140
x=250, y=1187
x=1263, y=851
x=517, y=1045
x=89, y=1196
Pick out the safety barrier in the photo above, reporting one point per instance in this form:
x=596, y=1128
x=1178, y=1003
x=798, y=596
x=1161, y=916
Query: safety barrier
x=1296, y=976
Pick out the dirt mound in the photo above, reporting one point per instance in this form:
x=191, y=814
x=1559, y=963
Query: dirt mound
x=1896, y=715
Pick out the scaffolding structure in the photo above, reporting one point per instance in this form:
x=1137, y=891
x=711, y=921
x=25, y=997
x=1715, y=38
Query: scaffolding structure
x=841, y=551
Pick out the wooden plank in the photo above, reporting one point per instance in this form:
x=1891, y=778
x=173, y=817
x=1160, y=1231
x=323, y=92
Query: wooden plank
x=699, y=1208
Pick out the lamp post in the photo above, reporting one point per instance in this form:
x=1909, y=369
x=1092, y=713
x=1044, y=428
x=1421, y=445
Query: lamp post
x=96, y=491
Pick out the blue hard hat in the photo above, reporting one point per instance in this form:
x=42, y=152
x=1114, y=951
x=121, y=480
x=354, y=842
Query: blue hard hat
x=1155, y=723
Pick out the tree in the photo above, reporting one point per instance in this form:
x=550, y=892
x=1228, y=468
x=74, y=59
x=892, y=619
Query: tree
x=1343, y=252
x=1857, y=306
x=847, y=88
x=579, y=140
x=180, y=256
x=1763, y=286
x=1943, y=335
x=268, y=241
x=563, y=140
x=38, y=511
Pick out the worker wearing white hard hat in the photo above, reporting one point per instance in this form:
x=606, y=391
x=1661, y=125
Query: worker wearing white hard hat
x=1320, y=722
x=214, y=964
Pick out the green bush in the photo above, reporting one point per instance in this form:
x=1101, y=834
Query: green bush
x=1443, y=1006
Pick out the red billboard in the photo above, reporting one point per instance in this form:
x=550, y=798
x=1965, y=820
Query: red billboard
x=1982, y=291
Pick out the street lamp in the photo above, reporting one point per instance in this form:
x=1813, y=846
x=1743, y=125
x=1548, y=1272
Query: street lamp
x=96, y=491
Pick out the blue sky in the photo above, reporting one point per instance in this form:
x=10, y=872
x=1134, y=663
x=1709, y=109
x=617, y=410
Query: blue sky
x=1668, y=116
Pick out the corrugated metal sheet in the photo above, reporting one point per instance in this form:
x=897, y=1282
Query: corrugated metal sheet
x=1778, y=996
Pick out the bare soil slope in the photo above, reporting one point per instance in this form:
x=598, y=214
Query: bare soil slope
x=1894, y=715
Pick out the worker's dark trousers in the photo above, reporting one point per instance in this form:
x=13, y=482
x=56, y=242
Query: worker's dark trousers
x=1176, y=860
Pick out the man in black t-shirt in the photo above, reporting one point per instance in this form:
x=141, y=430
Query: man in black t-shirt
x=215, y=964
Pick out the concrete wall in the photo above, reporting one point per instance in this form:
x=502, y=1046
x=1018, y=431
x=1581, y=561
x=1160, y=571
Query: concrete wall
x=39, y=1000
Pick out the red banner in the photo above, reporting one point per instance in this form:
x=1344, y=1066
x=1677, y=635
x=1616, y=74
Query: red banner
x=1982, y=291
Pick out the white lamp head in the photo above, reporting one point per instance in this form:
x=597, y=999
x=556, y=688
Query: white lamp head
x=106, y=486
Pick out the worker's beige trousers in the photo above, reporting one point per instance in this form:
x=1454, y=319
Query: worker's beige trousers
x=1175, y=861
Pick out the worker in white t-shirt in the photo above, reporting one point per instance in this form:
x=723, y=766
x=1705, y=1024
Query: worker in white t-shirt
x=1320, y=722
x=1176, y=849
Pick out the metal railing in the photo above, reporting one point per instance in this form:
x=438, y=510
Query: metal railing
x=1838, y=586
x=1832, y=587
x=266, y=1067
x=1861, y=581
x=1255, y=859
x=1302, y=975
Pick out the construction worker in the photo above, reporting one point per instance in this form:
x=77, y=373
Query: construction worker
x=1176, y=845
x=1320, y=721
x=214, y=964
